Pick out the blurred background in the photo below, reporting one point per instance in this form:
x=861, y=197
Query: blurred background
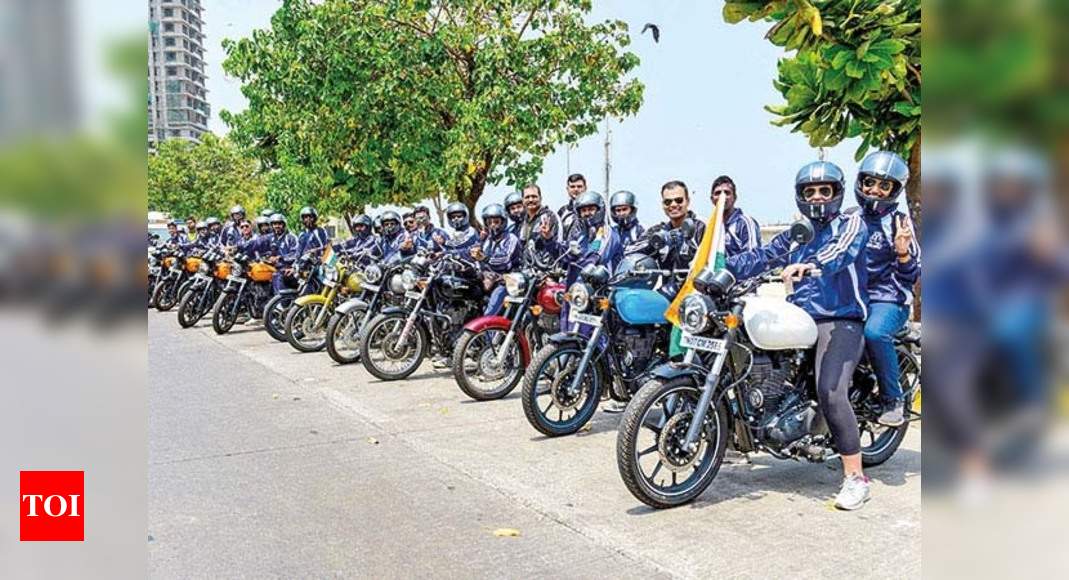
x=72, y=334
x=995, y=152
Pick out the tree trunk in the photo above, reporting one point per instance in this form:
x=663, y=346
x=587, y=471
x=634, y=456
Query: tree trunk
x=913, y=200
x=438, y=209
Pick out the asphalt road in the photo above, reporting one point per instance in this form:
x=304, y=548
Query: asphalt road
x=264, y=462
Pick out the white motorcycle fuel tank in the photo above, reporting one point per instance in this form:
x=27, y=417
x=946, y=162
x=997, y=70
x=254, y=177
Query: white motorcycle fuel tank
x=775, y=324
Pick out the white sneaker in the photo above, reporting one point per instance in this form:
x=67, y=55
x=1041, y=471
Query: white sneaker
x=854, y=492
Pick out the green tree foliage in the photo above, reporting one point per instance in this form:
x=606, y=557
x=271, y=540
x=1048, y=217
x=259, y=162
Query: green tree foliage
x=203, y=179
x=854, y=70
x=392, y=101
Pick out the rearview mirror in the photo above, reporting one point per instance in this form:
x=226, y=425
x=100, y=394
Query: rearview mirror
x=802, y=232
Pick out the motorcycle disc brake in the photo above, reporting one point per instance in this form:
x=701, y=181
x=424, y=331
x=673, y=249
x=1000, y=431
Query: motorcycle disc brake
x=670, y=443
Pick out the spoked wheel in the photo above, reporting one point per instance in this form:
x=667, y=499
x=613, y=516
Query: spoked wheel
x=481, y=370
x=301, y=331
x=275, y=316
x=190, y=310
x=165, y=296
x=222, y=317
x=650, y=454
x=382, y=352
x=550, y=402
x=343, y=333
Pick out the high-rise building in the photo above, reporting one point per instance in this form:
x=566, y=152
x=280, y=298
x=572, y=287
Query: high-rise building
x=177, y=100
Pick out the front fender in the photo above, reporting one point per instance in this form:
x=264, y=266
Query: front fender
x=395, y=310
x=503, y=324
x=350, y=305
x=673, y=370
x=310, y=299
x=563, y=338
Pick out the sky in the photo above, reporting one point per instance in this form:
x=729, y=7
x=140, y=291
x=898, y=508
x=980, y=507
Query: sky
x=706, y=85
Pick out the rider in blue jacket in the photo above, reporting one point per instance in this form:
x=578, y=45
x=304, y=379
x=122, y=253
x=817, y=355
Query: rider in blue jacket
x=741, y=232
x=499, y=254
x=627, y=230
x=231, y=232
x=516, y=214
x=427, y=235
x=283, y=250
x=392, y=237
x=893, y=269
x=313, y=238
x=835, y=298
x=362, y=240
x=465, y=236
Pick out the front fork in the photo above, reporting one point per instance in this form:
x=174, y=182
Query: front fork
x=410, y=322
x=516, y=325
x=587, y=353
x=690, y=443
x=323, y=310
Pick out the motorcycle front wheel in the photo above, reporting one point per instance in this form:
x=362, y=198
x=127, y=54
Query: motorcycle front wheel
x=382, y=352
x=655, y=466
x=551, y=405
x=343, y=334
x=189, y=311
x=275, y=316
x=222, y=317
x=300, y=330
x=165, y=296
x=477, y=370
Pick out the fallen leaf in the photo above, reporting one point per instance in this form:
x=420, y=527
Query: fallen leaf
x=274, y=395
x=585, y=428
x=507, y=533
x=372, y=441
x=443, y=411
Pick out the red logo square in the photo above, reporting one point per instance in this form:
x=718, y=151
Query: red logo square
x=51, y=506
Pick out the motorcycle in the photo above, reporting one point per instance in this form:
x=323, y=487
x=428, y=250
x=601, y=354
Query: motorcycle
x=306, y=319
x=248, y=288
x=278, y=306
x=380, y=287
x=155, y=269
x=394, y=343
x=204, y=288
x=489, y=358
x=619, y=335
x=747, y=380
x=172, y=276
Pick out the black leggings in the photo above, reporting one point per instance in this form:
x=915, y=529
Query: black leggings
x=839, y=347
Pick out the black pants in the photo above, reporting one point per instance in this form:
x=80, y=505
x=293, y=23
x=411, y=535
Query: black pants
x=839, y=347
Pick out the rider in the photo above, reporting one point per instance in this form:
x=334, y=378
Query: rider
x=427, y=236
x=174, y=237
x=200, y=241
x=215, y=228
x=540, y=224
x=893, y=269
x=391, y=238
x=283, y=248
x=259, y=247
x=625, y=216
x=515, y=211
x=191, y=229
x=683, y=230
x=313, y=237
x=231, y=233
x=466, y=236
x=742, y=232
x=835, y=299
x=362, y=240
x=263, y=225
x=568, y=213
x=499, y=254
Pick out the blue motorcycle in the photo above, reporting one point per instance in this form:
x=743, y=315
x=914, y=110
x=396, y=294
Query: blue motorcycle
x=617, y=336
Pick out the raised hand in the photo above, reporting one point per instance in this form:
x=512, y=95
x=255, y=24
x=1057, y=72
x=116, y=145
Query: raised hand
x=903, y=237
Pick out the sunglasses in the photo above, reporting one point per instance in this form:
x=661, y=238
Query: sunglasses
x=812, y=190
x=245, y=226
x=882, y=185
x=669, y=201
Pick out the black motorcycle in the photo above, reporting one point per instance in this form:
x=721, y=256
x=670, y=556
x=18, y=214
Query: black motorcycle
x=173, y=274
x=441, y=295
x=247, y=290
x=745, y=382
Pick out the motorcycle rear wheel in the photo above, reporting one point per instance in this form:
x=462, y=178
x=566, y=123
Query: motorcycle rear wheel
x=540, y=397
x=472, y=356
x=378, y=347
x=275, y=316
x=641, y=437
x=222, y=318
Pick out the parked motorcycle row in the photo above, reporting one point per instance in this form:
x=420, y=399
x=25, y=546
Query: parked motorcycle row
x=746, y=381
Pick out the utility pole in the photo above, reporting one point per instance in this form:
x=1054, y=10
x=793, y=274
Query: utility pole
x=608, y=162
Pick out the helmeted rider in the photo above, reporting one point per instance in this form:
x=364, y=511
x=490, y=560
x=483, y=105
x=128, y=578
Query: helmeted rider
x=283, y=249
x=836, y=299
x=202, y=240
x=215, y=231
x=362, y=241
x=465, y=235
x=392, y=236
x=263, y=225
x=427, y=235
x=514, y=210
x=741, y=232
x=231, y=234
x=499, y=253
x=893, y=268
x=313, y=238
x=683, y=231
x=624, y=214
x=595, y=242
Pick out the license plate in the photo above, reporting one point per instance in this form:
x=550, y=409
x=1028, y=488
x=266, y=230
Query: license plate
x=716, y=345
x=588, y=319
x=413, y=295
x=514, y=299
x=370, y=287
x=329, y=283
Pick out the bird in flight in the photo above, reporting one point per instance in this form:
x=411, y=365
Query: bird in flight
x=654, y=30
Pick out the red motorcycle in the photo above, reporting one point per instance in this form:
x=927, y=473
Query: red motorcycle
x=490, y=357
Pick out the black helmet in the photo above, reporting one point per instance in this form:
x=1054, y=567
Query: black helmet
x=621, y=198
x=824, y=172
x=494, y=210
x=309, y=210
x=883, y=165
x=459, y=223
x=588, y=199
x=363, y=220
x=237, y=209
x=389, y=216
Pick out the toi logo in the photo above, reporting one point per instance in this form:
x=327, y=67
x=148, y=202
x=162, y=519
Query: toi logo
x=51, y=506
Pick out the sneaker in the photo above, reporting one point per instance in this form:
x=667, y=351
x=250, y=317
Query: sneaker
x=854, y=492
x=441, y=362
x=894, y=415
x=614, y=407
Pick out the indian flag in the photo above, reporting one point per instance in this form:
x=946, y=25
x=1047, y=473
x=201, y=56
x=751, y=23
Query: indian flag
x=712, y=246
x=329, y=257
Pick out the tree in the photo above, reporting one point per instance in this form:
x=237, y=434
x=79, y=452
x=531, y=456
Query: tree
x=393, y=101
x=855, y=72
x=203, y=179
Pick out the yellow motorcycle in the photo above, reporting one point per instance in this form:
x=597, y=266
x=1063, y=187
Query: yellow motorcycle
x=306, y=321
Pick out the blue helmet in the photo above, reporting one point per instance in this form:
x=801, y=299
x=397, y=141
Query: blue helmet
x=881, y=165
x=621, y=198
x=588, y=199
x=823, y=172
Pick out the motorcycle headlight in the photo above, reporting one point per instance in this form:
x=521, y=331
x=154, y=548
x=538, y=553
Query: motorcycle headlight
x=330, y=273
x=203, y=268
x=515, y=284
x=372, y=274
x=237, y=270
x=408, y=279
x=579, y=296
x=694, y=313
x=395, y=284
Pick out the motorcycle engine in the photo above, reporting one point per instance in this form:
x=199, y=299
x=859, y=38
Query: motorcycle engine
x=779, y=404
x=636, y=348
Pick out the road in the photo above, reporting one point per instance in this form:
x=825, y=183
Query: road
x=264, y=462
